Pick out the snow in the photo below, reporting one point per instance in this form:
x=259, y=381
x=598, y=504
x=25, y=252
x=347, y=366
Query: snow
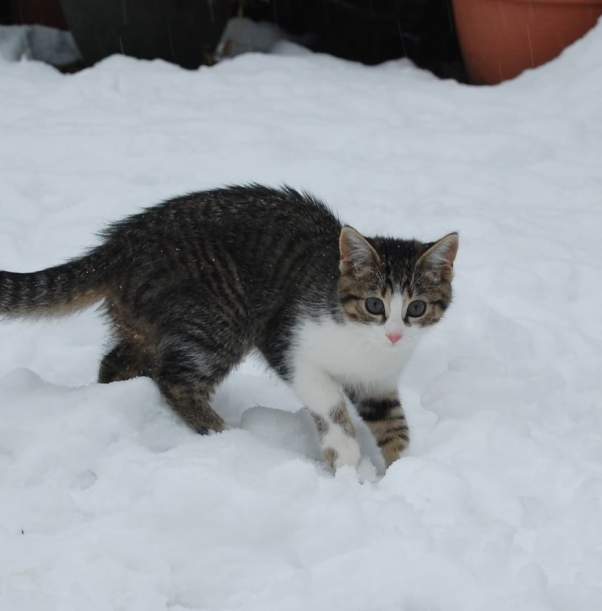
x=109, y=503
x=37, y=42
x=242, y=35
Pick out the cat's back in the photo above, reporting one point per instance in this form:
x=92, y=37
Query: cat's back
x=231, y=213
x=257, y=254
x=262, y=237
x=283, y=210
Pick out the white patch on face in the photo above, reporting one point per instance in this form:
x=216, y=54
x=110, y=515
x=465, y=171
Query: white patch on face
x=394, y=324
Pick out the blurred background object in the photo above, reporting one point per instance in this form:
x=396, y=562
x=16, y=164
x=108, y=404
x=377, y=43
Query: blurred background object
x=502, y=38
x=187, y=32
x=38, y=42
x=373, y=31
x=29, y=12
x=184, y=32
x=36, y=29
x=499, y=38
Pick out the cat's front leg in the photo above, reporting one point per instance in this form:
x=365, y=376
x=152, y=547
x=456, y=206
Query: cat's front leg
x=326, y=402
x=383, y=414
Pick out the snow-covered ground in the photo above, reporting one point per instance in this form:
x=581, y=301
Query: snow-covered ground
x=108, y=503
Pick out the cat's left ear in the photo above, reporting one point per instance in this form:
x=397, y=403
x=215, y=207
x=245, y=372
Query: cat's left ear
x=441, y=254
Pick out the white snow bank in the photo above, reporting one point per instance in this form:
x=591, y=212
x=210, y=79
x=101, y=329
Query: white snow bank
x=108, y=503
x=37, y=42
x=243, y=35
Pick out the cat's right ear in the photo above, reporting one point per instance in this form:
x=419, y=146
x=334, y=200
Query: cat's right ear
x=355, y=251
x=441, y=254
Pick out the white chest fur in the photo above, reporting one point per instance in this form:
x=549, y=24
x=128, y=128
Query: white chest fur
x=352, y=353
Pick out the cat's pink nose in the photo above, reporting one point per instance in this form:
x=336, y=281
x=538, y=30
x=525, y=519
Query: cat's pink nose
x=394, y=337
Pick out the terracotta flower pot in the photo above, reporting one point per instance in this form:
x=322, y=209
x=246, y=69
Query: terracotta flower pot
x=501, y=38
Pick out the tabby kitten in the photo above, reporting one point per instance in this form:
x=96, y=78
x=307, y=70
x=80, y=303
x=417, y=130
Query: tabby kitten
x=194, y=284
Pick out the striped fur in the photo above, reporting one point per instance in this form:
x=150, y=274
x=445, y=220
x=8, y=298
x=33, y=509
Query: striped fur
x=55, y=291
x=385, y=418
x=192, y=285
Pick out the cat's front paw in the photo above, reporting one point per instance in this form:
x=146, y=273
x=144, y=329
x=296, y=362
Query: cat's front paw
x=392, y=450
x=346, y=454
x=392, y=437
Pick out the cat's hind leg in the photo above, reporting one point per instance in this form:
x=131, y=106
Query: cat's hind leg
x=123, y=362
x=132, y=354
x=200, y=341
x=187, y=377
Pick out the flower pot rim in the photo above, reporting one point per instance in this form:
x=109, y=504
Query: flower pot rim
x=583, y=3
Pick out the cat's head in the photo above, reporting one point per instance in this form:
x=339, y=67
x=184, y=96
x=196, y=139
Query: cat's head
x=396, y=287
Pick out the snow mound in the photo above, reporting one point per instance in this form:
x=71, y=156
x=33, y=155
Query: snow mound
x=37, y=42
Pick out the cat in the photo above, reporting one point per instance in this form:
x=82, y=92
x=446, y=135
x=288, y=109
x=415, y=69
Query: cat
x=194, y=284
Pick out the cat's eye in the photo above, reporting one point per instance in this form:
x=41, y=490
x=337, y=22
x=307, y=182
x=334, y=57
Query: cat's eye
x=375, y=306
x=416, y=308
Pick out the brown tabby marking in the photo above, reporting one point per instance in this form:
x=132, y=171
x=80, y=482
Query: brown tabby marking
x=330, y=456
x=386, y=420
x=340, y=416
x=359, y=281
x=321, y=424
x=195, y=408
x=432, y=281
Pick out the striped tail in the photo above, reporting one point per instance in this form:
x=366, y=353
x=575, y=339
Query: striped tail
x=55, y=291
